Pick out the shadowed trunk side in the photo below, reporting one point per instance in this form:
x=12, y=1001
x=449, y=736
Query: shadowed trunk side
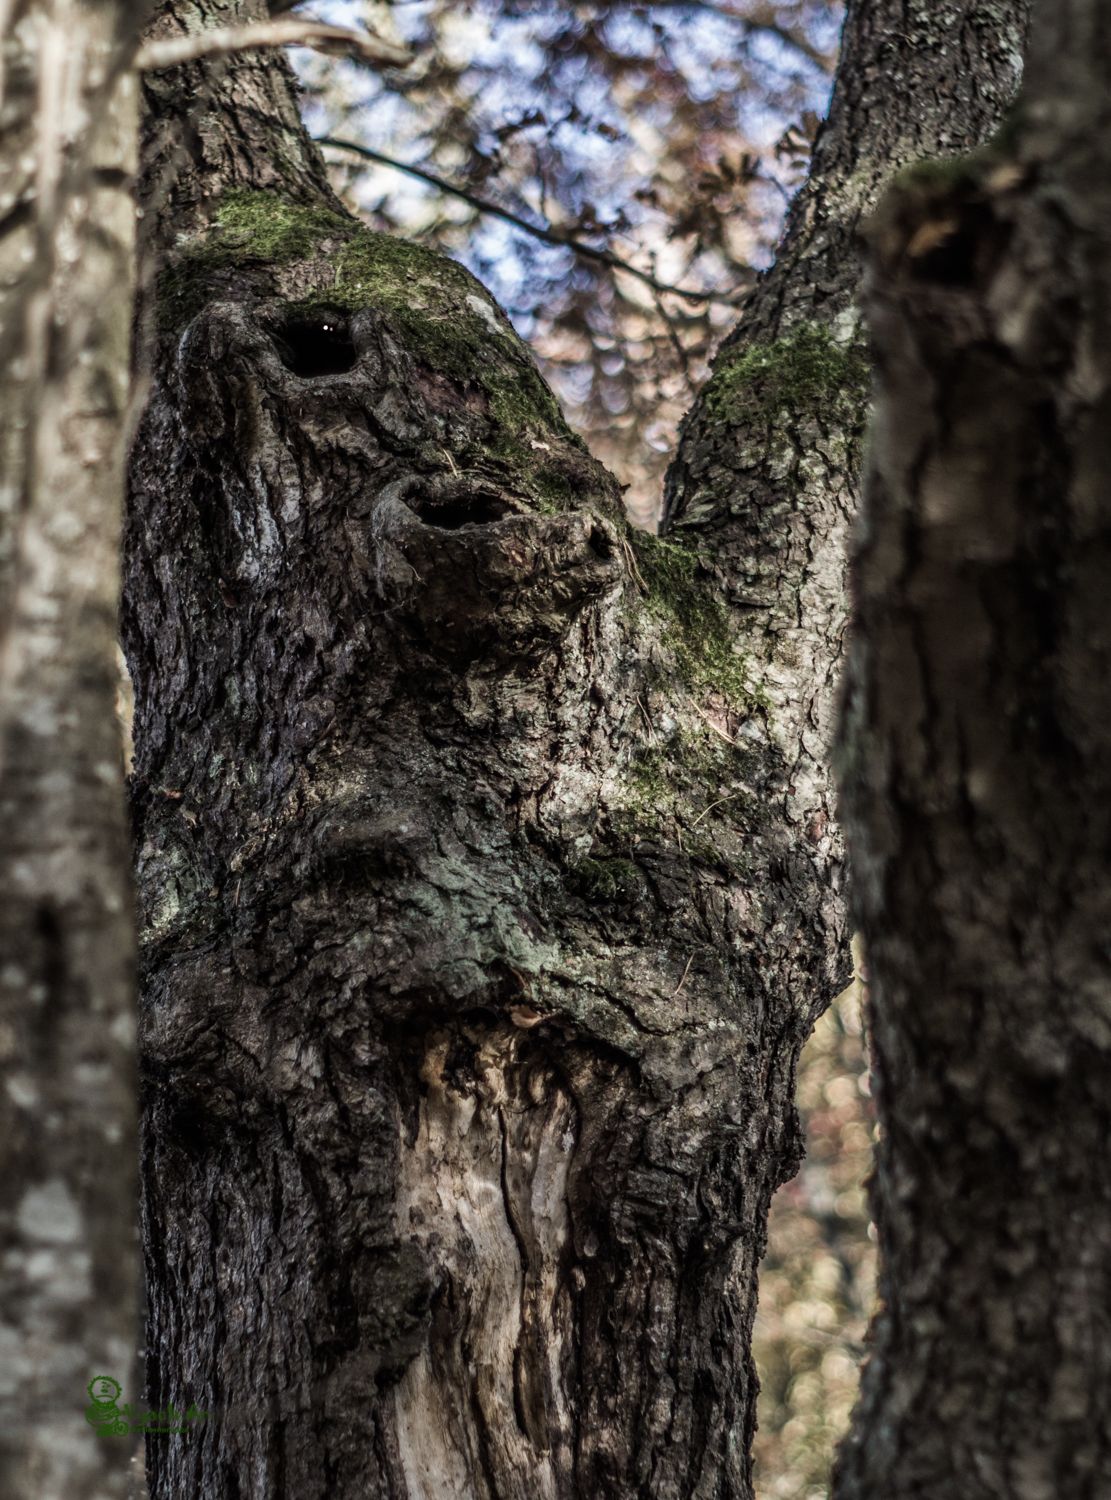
x=976, y=747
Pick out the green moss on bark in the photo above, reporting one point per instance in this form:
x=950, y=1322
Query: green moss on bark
x=608, y=879
x=438, y=312
x=443, y=316
x=698, y=628
x=806, y=374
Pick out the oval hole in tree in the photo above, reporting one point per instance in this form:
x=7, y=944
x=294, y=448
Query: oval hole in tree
x=317, y=344
x=477, y=509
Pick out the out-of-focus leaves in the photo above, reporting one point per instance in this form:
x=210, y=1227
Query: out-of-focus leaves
x=817, y=1282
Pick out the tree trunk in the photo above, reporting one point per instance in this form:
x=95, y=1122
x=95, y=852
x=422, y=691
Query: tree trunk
x=977, y=748
x=68, y=1147
x=486, y=906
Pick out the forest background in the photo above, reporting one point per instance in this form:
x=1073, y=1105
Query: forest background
x=548, y=145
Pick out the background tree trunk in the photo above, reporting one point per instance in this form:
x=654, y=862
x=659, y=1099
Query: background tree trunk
x=977, y=748
x=68, y=1149
x=486, y=906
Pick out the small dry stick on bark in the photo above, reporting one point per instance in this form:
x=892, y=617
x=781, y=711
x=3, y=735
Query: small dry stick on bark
x=630, y=557
x=683, y=981
x=706, y=718
x=719, y=803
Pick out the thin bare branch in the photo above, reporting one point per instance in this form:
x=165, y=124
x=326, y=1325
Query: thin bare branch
x=549, y=236
x=291, y=31
x=676, y=342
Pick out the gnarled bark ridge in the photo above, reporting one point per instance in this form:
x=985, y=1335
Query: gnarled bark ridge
x=485, y=915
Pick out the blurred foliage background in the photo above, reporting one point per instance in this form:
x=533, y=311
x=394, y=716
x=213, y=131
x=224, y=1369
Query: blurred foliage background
x=817, y=1281
x=669, y=137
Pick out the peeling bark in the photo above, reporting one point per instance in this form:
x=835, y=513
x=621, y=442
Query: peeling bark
x=486, y=905
x=976, y=750
x=68, y=1157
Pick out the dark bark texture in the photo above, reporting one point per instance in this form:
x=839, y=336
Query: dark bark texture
x=485, y=907
x=977, y=758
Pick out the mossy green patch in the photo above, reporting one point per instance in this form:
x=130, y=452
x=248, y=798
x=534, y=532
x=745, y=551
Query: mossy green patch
x=672, y=788
x=807, y=374
x=652, y=778
x=420, y=289
x=267, y=227
x=259, y=230
x=522, y=400
x=440, y=314
x=698, y=627
x=435, y=310
x=663, y=776
x=251, y=229
x=608, y=879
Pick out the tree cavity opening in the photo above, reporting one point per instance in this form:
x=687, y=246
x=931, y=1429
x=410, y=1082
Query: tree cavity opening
x=319, y=344
x=477, y=509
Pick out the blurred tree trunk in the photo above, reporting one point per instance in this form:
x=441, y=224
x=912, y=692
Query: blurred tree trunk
x=486, y=859
x=977, y=775
x=68, y=1150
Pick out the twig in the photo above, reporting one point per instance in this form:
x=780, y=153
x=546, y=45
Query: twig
x=731, y=798
x=549, y=236
x=631, y=557
x=294, y=31
x=644, y=711
x=683, y=981
x=712, y=725
x=676, y=341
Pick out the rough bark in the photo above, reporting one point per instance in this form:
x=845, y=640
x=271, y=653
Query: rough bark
x=766, y=478
x=483, y=923
x=68, y=1146
x=977, y=747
